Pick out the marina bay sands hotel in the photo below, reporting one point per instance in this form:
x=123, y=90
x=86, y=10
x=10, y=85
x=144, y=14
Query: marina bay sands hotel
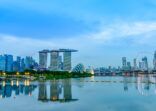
x=57, y=61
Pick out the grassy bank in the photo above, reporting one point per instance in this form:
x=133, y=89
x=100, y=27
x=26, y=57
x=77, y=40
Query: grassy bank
x=48, y=75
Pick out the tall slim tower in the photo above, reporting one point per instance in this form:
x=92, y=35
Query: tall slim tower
x=145, y=63
x=54, y=62
x=154, y=61
x=43, y=59
x=124, y=63
x=67, y=61
x=2, y=63
x=135, y=64
x=9, y=63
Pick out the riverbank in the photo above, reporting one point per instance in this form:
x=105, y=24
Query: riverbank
x=43, y=75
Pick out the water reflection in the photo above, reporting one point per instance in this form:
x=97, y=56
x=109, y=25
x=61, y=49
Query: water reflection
x=61, y=90
x=143, y=83
x=57, y=88
x=8, y=87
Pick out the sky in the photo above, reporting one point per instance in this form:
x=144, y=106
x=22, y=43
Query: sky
x=103, y=31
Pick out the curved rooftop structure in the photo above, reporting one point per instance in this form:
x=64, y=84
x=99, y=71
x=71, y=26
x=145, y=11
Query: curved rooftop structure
x=57, y=61
x=58, y=50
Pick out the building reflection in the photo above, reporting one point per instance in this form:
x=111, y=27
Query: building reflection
x=58, y=88
x=8, y=87
x=143, y=83
x=67, y=90
x=42, y=91
x=54, y=90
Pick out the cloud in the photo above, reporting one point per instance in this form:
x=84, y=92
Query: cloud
x=140, y=31
x=92, y=45
x=22, y=46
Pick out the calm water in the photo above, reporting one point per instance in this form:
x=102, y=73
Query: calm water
x=89, y=94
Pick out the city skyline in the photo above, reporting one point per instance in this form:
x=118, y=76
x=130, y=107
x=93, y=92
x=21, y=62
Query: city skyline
x=98, y=29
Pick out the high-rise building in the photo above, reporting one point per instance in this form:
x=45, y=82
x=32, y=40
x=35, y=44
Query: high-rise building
x=18, y=63
x=15, y=66
x=145, y=63
x=43, y=56
x=9, y=63
x=140, y=65
x=22, y=65
x=2, y=63
x=129, y=65
x=67, y=61
x=29, y=62
x=124, y=63
x=154, y=61
x=60, y=63
x=54, y=62
x=135, y=64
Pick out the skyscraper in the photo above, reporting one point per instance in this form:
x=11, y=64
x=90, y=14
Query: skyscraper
x=140, y=65
x=2, y=63
x=60, y=63
x=29, y=62
x=9, y=63
x=15, y=66
x=22, y=65
x=18, y=63
x=43, y=59
x=135, y=64
x=154, y=60
x=54, y=62
x=67, y=61
x=124, y=63
x=129, y=65
x=145, y=63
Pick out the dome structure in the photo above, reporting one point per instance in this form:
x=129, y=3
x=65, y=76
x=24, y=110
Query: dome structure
x=90, y=70
x=80, y=68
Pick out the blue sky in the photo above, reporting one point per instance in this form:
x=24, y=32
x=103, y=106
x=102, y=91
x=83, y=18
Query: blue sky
x=102, y=30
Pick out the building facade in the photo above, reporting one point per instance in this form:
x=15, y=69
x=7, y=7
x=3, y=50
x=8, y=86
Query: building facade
x=43, y=56
x=9, y=63
x=2, y=63
x=54, y=62
x=124, y=63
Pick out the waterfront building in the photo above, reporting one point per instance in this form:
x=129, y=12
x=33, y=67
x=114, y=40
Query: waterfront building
x=43, y=57
x=90, y=70
x=145, y=63
x=124, y=63
x=22, y=65
x=140, y=65
x=154, y=60
x=54, y=62
x=128, y=65
x=2, y=63
x=135, y=64
x=67, y=61
x=15, y=66
x=18, y=63
x=29, y=62
x=80, y=68
x=9, y=63
x=60, y=63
